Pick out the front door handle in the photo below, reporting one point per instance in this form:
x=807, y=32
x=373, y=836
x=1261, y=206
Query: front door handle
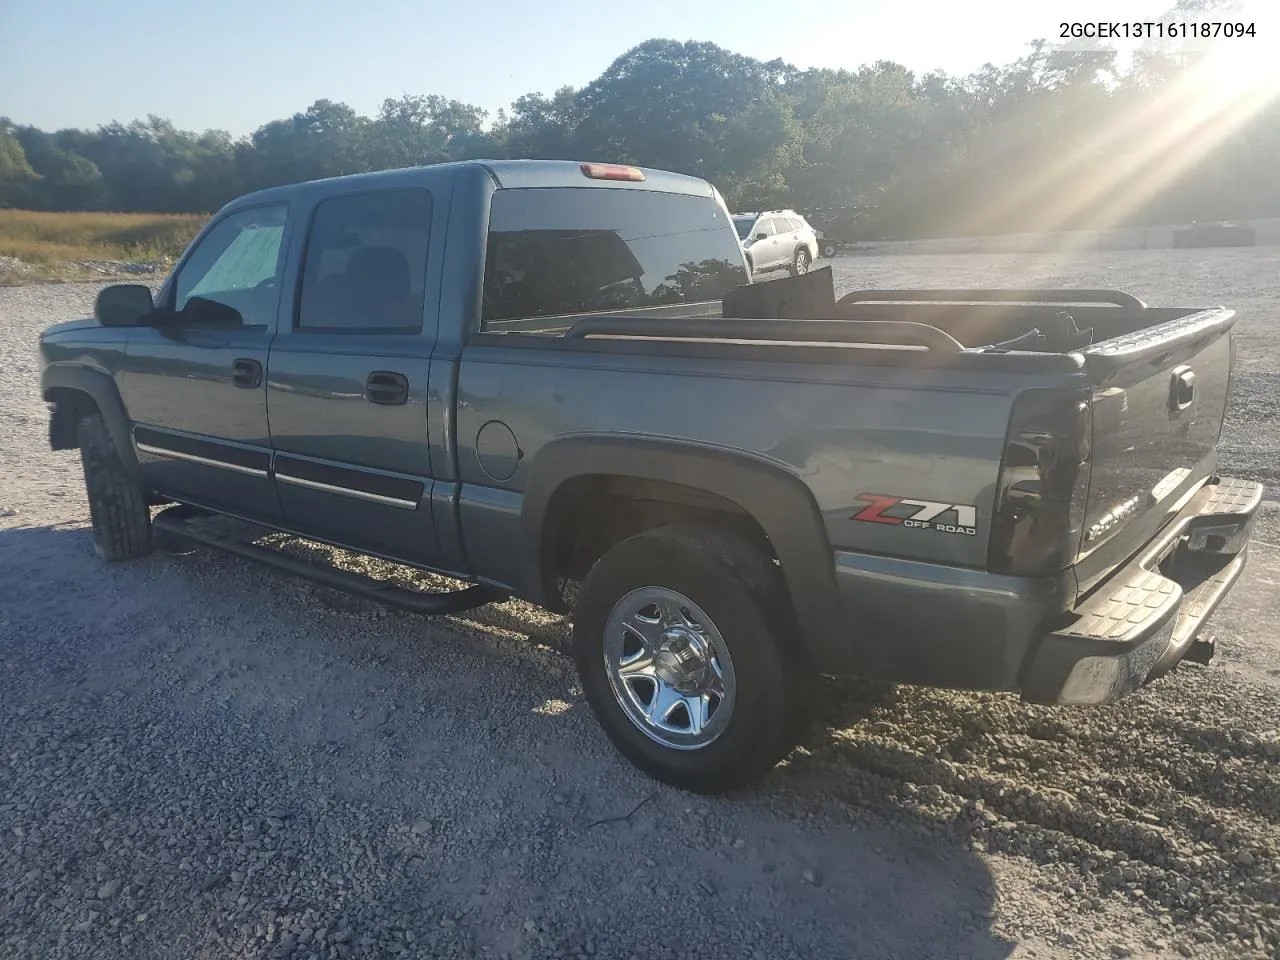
x=246, y=373
x=386, y=388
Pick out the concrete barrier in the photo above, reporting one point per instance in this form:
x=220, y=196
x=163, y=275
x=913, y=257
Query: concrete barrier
x=1239, y=233
x=1215, y=235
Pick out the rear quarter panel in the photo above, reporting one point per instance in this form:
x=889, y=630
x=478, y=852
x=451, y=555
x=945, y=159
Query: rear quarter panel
x=842, y=429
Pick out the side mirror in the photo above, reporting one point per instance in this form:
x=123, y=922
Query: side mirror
x=124, y=305
x=762, y=236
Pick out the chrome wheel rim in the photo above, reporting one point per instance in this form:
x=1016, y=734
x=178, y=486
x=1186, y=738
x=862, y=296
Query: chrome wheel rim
x=802, y=262
x=669, y=668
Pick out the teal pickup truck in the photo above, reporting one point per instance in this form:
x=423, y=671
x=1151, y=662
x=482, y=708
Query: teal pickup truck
x=554, y=381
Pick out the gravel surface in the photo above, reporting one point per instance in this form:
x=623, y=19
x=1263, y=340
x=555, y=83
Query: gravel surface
x=15, y=271
x=199, y=758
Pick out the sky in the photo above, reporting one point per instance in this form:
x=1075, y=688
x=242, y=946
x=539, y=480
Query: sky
x=236, y=64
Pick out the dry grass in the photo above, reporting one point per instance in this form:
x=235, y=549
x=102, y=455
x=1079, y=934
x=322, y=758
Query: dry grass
x=50, y=240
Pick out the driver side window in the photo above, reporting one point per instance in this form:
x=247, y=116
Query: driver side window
x=237, y=265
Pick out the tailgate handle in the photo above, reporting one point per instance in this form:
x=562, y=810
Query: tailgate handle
x=1182, y=388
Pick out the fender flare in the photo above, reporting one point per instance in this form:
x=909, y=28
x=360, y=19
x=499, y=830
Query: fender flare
x=776, y=499
x=101, y=389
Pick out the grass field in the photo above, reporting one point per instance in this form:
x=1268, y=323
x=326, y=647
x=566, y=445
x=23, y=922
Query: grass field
x=50, y=243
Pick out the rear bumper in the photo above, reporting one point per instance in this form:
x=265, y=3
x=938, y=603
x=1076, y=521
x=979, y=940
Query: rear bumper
x=1144, y=618
x=933, y=625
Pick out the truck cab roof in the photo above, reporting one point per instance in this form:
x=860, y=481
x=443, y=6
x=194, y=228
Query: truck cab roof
x=506, y=174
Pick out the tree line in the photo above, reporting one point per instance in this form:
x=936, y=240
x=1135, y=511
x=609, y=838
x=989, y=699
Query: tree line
x=1054, y=140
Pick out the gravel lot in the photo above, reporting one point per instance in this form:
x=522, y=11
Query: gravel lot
x=199, y=758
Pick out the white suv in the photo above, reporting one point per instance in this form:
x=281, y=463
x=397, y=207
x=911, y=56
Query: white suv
x=777, y=240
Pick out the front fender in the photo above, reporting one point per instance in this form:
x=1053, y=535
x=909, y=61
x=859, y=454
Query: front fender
x=57, y=379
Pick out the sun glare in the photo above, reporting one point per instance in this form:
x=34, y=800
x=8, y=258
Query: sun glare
x=1241, y=73
x=1147, y=149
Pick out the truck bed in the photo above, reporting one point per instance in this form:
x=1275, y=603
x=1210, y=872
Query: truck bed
x=1148, y=448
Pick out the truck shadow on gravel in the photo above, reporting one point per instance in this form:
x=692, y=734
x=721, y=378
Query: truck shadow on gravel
x=483, y=791
x=441, y=778
x=1166, y=805
x=487, y=788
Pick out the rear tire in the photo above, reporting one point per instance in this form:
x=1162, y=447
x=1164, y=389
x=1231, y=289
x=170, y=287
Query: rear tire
x=801, y=262
x=828, y=250
x=117, y=507
x=715, y=614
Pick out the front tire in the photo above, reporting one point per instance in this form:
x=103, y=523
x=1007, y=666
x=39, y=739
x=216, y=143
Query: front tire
x=677, y=640
x=828, y=250
x=117, y=507
x=801, y=262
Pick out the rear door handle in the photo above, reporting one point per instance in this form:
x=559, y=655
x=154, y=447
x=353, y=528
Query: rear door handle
x=386, y=388
x=246, y=373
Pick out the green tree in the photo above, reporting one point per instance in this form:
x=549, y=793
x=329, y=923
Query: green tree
x=326, y=140
x=543, y=128
x=412, y=130
x=151, y=165
x=1058, y=138
x=16, y=175
x=674, y=105
x=65, y=180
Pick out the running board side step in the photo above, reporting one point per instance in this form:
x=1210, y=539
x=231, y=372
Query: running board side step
x=178, y=521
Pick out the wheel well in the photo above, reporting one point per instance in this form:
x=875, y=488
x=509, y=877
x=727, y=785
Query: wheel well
x=69, y=405
x=589, y=514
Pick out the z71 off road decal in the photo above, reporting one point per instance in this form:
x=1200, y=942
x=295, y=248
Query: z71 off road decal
x=958, y=518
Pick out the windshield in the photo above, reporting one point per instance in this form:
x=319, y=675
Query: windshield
x=743, y=226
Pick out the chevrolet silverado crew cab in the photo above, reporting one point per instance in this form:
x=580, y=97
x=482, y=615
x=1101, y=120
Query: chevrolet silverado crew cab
x=553, y=381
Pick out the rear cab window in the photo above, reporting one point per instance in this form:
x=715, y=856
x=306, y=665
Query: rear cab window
x=567, y=251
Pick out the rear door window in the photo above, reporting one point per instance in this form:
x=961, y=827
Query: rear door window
x=366, y=263
x=576, y=250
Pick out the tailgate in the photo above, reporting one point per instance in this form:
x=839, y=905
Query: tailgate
x=1159, y=397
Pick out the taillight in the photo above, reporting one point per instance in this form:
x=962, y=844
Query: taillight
x=612, y=171
x=1043, y=485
